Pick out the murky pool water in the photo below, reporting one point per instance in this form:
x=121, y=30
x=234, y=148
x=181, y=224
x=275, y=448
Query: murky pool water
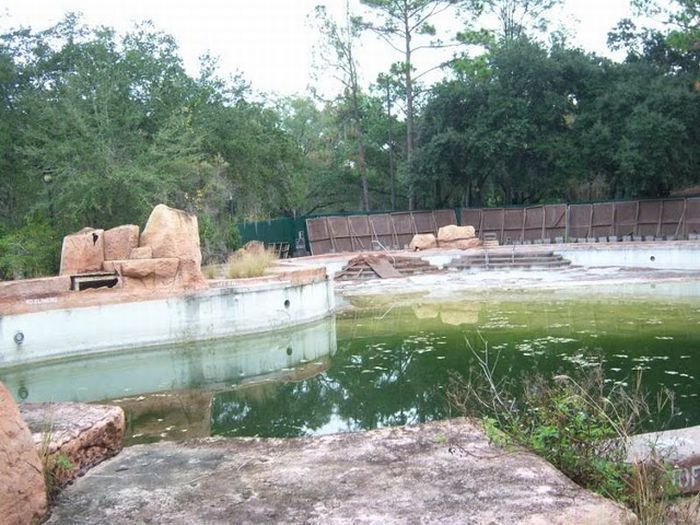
x=384, y=362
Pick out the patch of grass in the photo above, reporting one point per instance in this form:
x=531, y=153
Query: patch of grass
x=55, y=464
x=244, y=263
x=578, y=423
x=210, y=271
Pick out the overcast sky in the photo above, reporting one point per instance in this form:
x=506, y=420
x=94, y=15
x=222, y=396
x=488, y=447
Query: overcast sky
x=269, y=41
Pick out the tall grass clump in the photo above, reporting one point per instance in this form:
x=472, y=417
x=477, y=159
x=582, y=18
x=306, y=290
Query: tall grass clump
x=55, y=464
x=253, y=263
x=577, y=422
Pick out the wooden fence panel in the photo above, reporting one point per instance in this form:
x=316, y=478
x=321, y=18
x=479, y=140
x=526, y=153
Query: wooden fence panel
x=661, y=218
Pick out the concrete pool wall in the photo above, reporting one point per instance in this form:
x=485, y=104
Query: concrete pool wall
x=662, y=255
x=206, y=365
x=78, y=323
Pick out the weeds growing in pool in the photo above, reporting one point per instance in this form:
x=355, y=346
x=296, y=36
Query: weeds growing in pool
x=250, y=264
x=578, y=423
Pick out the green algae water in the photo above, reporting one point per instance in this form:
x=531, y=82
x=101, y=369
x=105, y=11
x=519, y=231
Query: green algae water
x=387, y=360
x=394, y=362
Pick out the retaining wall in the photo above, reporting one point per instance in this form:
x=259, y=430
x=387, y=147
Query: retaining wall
x=49, y=331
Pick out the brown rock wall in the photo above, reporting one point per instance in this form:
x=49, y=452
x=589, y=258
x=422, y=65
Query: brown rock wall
x=22, y=486
x=83, y=252
x=120, y=241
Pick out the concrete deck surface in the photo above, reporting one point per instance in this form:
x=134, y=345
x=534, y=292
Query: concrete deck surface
x=442, y=472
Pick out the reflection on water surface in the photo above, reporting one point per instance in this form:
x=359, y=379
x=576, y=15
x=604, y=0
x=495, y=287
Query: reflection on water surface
x=392, y=364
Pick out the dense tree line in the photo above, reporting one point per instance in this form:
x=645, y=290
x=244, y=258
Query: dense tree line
x=96, y=128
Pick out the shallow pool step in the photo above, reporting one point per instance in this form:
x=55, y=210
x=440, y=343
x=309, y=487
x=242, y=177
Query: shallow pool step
x=507, y=261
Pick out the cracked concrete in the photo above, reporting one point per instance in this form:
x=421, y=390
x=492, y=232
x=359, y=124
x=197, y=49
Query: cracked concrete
x=442, y=472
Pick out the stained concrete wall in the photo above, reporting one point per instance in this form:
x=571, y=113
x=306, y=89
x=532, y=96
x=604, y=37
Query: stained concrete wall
x=205, y=365
x=260, y=307
x=659, y=256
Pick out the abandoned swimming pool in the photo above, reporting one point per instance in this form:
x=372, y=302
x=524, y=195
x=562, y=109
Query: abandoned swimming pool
x=384, y=361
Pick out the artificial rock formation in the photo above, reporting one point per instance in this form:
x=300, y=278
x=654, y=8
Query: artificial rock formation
x=83, y=252
x=172, y=233
x=422, y=241
x=460, y=237
x=22, y=486
x=165, y=255
x=74, y=436
x=120, y=241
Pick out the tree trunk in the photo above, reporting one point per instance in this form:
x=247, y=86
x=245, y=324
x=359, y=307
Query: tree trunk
x=409, y=111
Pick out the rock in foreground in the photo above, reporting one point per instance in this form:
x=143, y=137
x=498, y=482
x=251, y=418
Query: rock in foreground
x=22, y=488
x=443, y=472
x=74, y=437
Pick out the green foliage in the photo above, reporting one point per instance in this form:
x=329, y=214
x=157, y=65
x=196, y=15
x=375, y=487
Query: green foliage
x=29, y=251
x=578, y=423
x=523, y=124
x=96, y=127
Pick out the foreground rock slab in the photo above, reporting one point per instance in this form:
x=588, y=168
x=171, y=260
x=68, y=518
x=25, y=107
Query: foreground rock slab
x=22, y=487
x=443, y=472
x=74, y=437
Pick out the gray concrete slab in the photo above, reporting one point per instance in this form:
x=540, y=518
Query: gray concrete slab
x=443, y=472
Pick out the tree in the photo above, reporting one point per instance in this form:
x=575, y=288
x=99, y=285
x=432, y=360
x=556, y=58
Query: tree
x=516, y=16
x=505, y=128
x=97, y=129
x=339, y=54
x=401, y=24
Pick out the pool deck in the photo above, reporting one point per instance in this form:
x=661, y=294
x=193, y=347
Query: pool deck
x=442, y=472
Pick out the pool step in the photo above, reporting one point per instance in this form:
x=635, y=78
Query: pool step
x=377, y=266
x=514, y=260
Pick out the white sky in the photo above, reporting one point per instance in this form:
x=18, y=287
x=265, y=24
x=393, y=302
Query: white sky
x=269, y=41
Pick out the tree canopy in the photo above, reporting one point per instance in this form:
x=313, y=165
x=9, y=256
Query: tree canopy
x=97, y=127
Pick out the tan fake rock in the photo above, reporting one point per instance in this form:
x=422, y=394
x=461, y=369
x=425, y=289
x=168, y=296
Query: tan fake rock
x=422, y=241
x=120, y=241
x=22, y=487
x=461, y=244
x=143, y=252
x=172, y=233
x=82, y=252
x=254, y=248
x=74, y=436
x=451, y=233
x=145, y=273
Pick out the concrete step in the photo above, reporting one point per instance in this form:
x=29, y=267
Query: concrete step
x=522, y=260
x=508, y=259
x=560, y=264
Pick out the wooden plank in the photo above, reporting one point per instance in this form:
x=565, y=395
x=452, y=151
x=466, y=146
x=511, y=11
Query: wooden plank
x=383, y=268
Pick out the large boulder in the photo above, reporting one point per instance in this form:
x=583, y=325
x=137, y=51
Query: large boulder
x=82, y=252
x=22, y=485
x=172, y=233
x=458, y=237
x=120, y=241
x=422, y=241
x=452, y=233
